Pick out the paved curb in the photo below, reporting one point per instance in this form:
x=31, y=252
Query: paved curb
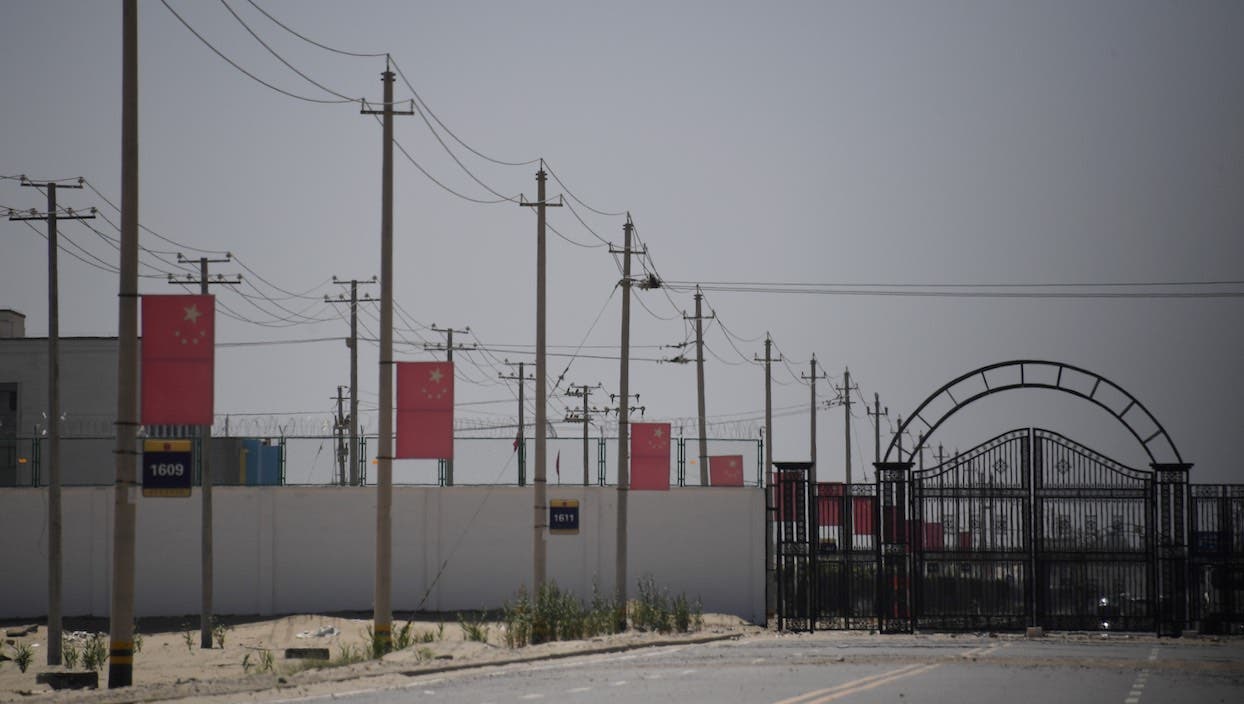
x=263, y=683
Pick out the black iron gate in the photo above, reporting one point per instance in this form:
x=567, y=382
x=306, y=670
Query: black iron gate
x=1027, y=529
x=1216, y=585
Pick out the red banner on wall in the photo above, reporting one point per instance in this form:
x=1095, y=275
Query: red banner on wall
x=725, y=470
x=862, y=515
x=650, y=456
x=178, y=359
x=829, y=499
x=425, y=410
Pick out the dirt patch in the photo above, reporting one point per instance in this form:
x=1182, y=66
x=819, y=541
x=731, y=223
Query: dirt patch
x=171, y=665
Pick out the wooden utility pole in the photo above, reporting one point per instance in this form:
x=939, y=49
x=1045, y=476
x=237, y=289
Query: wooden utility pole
x=540, y=508
x=624, y=475
x=382, y=610
x=448, y=348
x=205, y=460
x=699, y=382
x=121, y=613
x=353, y=344
x=812, y=376
x=521, y=439
x=339, y=426
x=582, y=391
x=55, y=577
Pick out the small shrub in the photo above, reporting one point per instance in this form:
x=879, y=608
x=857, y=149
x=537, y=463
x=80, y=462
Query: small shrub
x=267, y=661
x=652, y=610
x=246, y=663
x=517, y=616
x=187, y=636
x=474, y=630
x=426, y=654
x=219, y=631
x=404, y=638
x=688, y=616
x=24, y=654
x=94, y=652
x=427, y=637
x=440, y=631
x=350, y=654
x=138, y=640
x=69, y=655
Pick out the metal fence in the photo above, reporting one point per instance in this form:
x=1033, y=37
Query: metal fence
x=1027, y=529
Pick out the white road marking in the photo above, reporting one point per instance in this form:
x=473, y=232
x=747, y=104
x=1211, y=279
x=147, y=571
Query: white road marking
x=578, y=690
x=619, y=683
x=533, y=695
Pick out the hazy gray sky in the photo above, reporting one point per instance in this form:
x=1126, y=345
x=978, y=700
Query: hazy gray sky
x=896, y=143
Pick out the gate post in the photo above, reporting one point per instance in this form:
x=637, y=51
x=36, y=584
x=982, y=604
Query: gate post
x=1170, y=512
x=893, y=548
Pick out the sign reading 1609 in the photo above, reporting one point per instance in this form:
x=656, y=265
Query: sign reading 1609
x=167, y=467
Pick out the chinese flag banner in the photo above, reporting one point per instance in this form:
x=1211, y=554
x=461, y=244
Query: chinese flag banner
x=425, y=410
x=725, y=470
x=650, y=456
x=829, y=501
x=178, y=359
x=862, y=514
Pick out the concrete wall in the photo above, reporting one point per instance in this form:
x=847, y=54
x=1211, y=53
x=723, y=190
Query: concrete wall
x=286, y=549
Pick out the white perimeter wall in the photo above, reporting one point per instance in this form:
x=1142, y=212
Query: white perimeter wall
x=292, y=549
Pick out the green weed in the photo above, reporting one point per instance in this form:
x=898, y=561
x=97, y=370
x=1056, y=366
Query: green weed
x=69, y=655
x=474, y=630
x=23, y=655
x=94, y=652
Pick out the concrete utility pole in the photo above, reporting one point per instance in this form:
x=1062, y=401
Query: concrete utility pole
x=339, y=426
x=540, y=508
x=205, y=459
x=53, y=429
x=624, y=475
x=353, y=344
x=121, y=613
x=521, y=438
x=382, y=610
x=582, y=391
x=844, y=397
x=699, y=382
x=448, y=348
x=812, y=377
x=768, y=360
x=876, y=413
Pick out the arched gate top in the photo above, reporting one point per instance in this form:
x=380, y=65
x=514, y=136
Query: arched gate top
x=1037, y=374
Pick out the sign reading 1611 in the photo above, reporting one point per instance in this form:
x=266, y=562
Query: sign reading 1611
x=167, y=467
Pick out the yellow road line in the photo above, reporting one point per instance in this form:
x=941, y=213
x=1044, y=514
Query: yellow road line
x=848, y=685
x=874, y=683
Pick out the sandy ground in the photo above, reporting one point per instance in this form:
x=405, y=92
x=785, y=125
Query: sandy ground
x=172, y=666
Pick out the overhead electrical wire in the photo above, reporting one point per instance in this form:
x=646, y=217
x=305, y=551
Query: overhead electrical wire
x=312, y=41
x=248, y=74
x=280, y=58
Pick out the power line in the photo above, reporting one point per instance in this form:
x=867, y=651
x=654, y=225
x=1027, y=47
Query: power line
x=309, y=40
x=272, y=51
x=248, y=74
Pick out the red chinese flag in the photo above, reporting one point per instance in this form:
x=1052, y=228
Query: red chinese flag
x=725, y=470
x=178, y=359
x=425, y=410
x=829, y=498
x=650, y=456
x=862, y=514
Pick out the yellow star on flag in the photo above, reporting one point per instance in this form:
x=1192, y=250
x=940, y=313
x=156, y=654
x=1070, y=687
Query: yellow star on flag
x=192, y=314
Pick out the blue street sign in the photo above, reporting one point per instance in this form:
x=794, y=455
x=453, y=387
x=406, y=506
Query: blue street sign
x=564, y=516
x=167, y=468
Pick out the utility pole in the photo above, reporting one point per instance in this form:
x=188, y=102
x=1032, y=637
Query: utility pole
x=770, y=533
x=699, y=381
x=876, y=413
x=448, y=348
x=340, y=428
x=205, y=458
x=768, y=360
x=353, y=344
x=382, y=610
x=624, y=475
x=844, y=398
x=540, y=508
x=121, y=613
x=55, y=577
x=812, y=377
x=582, y=391
x=521, y=438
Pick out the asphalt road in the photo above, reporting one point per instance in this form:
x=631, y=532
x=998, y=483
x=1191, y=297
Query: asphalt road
x=821, y=668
